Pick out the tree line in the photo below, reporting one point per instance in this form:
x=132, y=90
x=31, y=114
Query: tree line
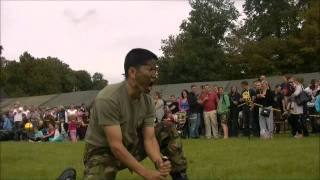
x=32, y=76
x=276, y=37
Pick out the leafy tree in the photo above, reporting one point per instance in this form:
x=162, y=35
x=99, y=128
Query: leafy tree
x=98, y=82
x=271, y=18
x=83, y=80
x=39, y=76
x=196, y=54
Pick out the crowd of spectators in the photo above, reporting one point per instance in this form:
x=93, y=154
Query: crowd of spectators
x=251, y=110
x=44, y=124
x=207, y=111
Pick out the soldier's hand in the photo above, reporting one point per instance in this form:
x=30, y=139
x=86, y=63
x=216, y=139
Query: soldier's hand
x=165, y=168
x=153, y=175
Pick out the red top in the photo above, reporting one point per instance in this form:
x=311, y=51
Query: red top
x=211, y=103
x=72, y=125
x=51, y=132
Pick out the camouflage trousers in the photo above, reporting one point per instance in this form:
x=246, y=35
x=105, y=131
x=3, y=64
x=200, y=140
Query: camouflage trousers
x=100, y=163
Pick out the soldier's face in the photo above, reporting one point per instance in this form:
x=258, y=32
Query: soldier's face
x=145, y=76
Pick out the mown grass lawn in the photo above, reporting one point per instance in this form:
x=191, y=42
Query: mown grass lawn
x=235, y=158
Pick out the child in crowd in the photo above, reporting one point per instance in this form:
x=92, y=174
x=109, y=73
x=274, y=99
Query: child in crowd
x=57, y=136
x=37, y=135
x=73, y=128
x=51, y=130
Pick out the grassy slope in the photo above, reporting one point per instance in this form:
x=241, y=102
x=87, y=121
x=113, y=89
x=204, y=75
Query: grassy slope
x=240, y=158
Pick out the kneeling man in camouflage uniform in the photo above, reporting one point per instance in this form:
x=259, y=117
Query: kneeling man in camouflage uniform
x=121, y=131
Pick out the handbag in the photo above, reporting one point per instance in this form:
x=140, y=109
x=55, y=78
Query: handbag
x=265, y=112
x=303, y=98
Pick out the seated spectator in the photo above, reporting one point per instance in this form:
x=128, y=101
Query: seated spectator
x=57, y=136
x=37, y=135
x=7, y=123
x=50, y=132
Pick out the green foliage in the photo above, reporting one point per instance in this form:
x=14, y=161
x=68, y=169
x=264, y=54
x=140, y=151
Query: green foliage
x=277, y=37
x=98, y=82
x=196, y=54
x=271, y=18
x=39, y=76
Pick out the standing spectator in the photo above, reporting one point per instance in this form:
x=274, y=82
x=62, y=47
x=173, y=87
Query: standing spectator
x=17, y=122
x=202, y=130
x=295, y=110
x=83, y=108
x=81, y=128
x=72, y=111
x=159, y=106
x=312, y=91
x=73, y=128
x=234, y=111
x=174, y=105
x=248, y=96
x=209, y=101
x=279, y=105
x=184, y=107
x=265, y=98
x=183, y=101
x=223, y=111
x=262, y=78
x=34, y=116
x=286, y=89
x=194, y=109
x=255, y=112
x=214, y=88
x=26, y=111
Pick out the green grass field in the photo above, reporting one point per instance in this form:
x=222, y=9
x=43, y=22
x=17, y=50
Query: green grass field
x=238, y=158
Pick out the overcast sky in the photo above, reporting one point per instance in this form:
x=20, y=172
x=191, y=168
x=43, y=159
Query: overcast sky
x=93, y=36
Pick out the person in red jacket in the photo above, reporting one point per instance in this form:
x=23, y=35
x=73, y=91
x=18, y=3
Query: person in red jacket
x=209, y=100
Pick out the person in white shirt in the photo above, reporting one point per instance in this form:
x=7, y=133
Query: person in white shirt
x=17, y=119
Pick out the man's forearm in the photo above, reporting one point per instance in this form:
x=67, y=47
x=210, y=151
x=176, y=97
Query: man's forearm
x=152, y=149
x=122, y=154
